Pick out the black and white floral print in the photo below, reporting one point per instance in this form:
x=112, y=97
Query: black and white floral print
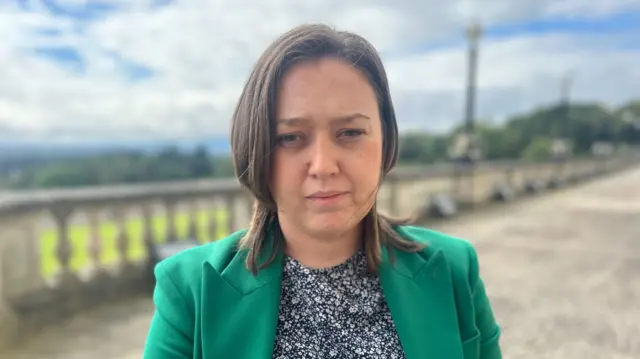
x=338, y=312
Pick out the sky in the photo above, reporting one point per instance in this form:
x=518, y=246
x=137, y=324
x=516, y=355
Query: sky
x=173, y=69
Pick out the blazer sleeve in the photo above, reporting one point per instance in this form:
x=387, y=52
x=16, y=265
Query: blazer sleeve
x=485, y=320
x=171, y=333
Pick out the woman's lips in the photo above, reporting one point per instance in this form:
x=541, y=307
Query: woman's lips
x=327, y=198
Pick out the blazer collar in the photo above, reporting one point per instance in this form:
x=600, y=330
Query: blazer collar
x=238, y=306
x=419, y=291
x=417, y=287
x=234, y=271
x=407, y=265
x=238, y=276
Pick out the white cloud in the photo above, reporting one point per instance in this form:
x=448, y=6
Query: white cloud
x=203, y=50
x=590, y=8
x=515, y=75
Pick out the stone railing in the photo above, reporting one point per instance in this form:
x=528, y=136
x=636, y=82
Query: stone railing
x=63, y=251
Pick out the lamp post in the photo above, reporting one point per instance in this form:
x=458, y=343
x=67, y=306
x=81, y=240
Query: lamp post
x=565, y=105
x=466, y=147
x=561, y=147
x=465, y=150
x=474, y=32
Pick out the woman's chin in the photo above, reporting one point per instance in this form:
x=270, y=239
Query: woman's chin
x=332, y=224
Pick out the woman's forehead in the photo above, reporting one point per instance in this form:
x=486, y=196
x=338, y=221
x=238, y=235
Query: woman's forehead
x=327, y=72
x=326, y=88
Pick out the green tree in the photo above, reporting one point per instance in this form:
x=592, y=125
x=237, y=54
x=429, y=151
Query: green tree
x=498, y=142
x=200, y=163
x=629, y=129
x=538, y=149
x=528, y=135
x=416, y=148
x=66, y=175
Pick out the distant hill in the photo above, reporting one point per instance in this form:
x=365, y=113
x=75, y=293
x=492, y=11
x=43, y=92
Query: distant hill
x=17, y=155
x=10, y=149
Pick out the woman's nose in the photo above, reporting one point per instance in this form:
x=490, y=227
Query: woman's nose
x=323, y=159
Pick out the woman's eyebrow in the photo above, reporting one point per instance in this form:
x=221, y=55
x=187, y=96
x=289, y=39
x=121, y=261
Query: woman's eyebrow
x=293, y=121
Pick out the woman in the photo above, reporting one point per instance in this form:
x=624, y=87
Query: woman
x=320, y=273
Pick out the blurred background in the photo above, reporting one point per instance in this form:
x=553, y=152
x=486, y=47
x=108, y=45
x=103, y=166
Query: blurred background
x=114, y=118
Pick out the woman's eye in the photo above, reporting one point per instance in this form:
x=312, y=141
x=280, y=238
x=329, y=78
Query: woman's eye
x=289, y=138
x=351, y=133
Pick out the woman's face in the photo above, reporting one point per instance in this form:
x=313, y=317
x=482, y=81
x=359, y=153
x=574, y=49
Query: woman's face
x=328, y=159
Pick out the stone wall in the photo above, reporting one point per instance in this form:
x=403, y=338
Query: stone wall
x=66, y=250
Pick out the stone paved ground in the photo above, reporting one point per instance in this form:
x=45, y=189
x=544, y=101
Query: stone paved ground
x=563, y=271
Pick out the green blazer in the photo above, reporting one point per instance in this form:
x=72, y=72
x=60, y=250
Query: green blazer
x=208, y=306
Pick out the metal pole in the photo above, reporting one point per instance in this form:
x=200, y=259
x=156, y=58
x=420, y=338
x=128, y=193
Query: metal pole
x=473, y=36
x=565, y=89
x=474, y=32
x=565, y=92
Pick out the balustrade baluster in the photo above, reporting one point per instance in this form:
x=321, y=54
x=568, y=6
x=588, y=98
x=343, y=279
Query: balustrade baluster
x=62, y=215
x=95, y=242
x=193, y=231
x=149, y=234
x=212, y=224
x=119, y=215
x=231, y=213
x=171, y=233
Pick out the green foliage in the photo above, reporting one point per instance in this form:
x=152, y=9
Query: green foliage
x=528, y=135
x=630, y=126
x=498, y=142
x=66, y=175
x=167, y=165
x=422, y=148
x=538, y=149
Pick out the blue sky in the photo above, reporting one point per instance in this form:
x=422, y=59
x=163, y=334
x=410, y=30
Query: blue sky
x=616, y=22
x=83, y=16
x=186, y=60
x=624, y=22
x=93, y=11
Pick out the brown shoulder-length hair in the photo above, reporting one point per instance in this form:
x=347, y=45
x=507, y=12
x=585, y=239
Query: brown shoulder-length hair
x=253, y=136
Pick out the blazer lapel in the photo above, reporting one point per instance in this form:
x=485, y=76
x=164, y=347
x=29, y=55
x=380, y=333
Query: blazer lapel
x=419, y=291
x=240, y=311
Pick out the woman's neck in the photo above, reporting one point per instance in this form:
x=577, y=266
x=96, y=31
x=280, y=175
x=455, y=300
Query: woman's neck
x=321, y=251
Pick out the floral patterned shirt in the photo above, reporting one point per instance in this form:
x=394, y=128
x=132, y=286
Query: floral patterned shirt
x=338, y=312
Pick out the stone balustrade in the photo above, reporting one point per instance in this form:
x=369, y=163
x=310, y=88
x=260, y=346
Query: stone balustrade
x=62, y=251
